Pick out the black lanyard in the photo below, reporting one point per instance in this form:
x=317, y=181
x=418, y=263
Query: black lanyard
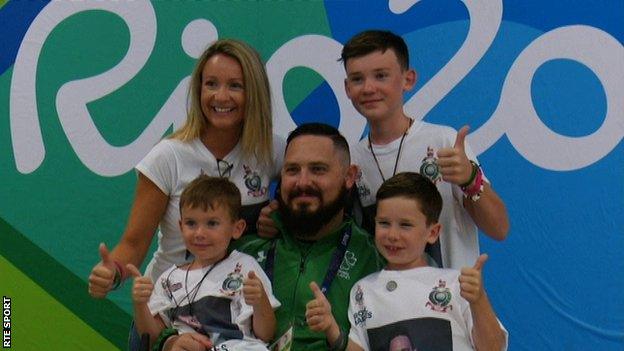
x=334, y=264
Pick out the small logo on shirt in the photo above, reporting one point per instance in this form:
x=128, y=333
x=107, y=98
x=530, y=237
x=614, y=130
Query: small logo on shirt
x=429, y=167
x=347, y=263
x=440, y=297
x=233, y=283
x=253, y=182
x=363, y=313
x=363, y=190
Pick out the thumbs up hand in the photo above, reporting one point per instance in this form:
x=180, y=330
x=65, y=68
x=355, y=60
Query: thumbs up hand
x=318, y=311
x=142, y=287
x=471, y=282
x=253, y=290
x=102, y=275
x=454, y=164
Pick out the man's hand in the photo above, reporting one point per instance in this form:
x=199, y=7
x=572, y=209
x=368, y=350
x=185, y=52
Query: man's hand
x=265, y=226
x=471, y=282
x=142, y=287
x=102, y=275
x=454, y=164
x=318, y=311
x=253, y=290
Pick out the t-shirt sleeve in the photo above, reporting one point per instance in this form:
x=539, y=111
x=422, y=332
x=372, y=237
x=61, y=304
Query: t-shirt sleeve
x=357, y=333
x=159, y=303
x=159, y=166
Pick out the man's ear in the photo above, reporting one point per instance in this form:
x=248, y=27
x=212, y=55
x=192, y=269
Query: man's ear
x=434, y=232
x=351, y=176
x=239, y=228
x=410, y=77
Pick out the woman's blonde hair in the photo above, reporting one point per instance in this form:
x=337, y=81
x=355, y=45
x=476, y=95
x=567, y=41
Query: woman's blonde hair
x=257, y=136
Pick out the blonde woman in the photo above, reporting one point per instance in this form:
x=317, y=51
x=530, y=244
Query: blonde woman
x=227, y=134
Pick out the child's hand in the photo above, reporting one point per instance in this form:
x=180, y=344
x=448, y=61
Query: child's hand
x=318, y=311
x=142, y=287
x=253, y=290
x=471, y=282
x=454, y=164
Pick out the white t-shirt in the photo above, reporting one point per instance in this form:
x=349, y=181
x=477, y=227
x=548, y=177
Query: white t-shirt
x=172, y=164
x=217, y=308
x=414, y=309
x=459, y=240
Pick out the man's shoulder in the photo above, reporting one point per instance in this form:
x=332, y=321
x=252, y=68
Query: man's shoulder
x=250, y=244
x=363, y=243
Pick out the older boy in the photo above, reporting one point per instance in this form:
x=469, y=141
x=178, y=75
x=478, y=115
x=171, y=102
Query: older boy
x=219, y=299
x=378, y=73
x=409, y=305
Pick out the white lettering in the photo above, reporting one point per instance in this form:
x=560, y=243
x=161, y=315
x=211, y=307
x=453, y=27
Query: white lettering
x=514, y=116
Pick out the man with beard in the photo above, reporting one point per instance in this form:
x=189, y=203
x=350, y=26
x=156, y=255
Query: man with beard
x=319, y=252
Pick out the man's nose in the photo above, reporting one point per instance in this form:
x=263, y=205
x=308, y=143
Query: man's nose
x=304, y=179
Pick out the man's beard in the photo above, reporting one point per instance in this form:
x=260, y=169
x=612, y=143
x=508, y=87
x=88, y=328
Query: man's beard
x=304, y=223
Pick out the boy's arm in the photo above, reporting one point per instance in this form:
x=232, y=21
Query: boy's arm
x=141, y=291
x=486, y=331
x=488, y=212
x=263, y=320
x=352, y=346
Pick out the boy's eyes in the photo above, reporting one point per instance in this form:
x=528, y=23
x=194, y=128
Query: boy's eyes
x=386, y=223
x=355, y=79
x=210, y=223
x=381, y=75
x=382, y=222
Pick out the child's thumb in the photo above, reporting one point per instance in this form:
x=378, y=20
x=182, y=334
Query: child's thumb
x=134, y=272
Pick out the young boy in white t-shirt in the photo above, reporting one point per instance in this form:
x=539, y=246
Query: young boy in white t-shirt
x=219, y=300
x=410, y=305
x=378, y=75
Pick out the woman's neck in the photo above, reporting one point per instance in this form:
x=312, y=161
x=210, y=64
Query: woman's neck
x=220, y=142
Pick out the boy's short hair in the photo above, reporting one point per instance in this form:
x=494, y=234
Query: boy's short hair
x=211, y=192
x=412, y=185
x=322, y=129
x=370, y=41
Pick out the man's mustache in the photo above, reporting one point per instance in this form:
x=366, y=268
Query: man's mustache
x=308, y=191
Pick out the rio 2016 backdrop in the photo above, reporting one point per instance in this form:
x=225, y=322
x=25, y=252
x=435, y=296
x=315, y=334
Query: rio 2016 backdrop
x=88, y=87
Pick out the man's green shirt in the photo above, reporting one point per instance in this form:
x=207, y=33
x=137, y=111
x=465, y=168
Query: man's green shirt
x=297, y=263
